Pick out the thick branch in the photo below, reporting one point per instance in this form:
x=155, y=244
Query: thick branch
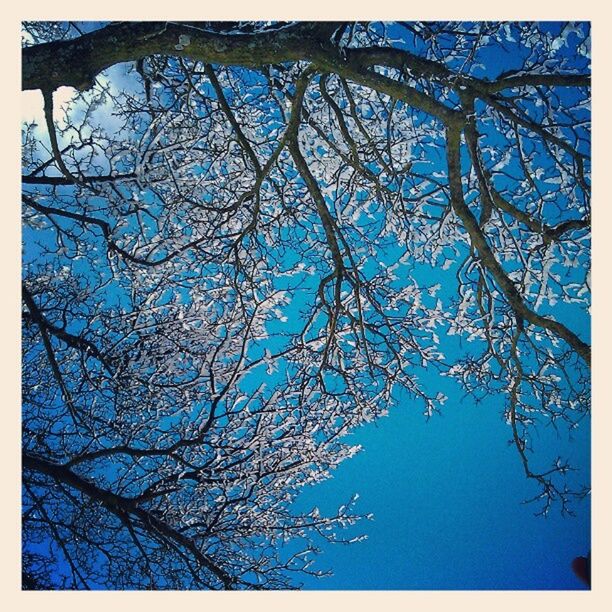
x=487, y=257
x=76, y=62
x=119, y=504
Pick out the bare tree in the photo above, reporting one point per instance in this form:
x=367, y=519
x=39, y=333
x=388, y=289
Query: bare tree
x=230, y=233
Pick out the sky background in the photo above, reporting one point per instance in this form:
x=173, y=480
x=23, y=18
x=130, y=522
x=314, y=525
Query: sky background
x=446, y=496
x=446, y=493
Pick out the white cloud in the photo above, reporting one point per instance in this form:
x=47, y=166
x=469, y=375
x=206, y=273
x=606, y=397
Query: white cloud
x=32, y=105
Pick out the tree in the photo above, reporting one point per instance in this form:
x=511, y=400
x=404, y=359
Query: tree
x=243, y=240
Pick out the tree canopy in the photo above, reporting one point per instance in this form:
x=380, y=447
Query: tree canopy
x=243, y=240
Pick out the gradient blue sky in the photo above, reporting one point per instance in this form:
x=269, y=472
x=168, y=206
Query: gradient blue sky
x=446, y=496
x=446, y=493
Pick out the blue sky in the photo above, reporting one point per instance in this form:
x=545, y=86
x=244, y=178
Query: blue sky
x=446, y=495
x=446, y=492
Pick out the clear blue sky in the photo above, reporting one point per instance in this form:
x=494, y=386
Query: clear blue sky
x=446, y=495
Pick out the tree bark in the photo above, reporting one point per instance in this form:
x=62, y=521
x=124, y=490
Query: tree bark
x=75, y=62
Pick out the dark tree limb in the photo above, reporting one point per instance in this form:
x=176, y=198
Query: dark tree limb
x=119, y=504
